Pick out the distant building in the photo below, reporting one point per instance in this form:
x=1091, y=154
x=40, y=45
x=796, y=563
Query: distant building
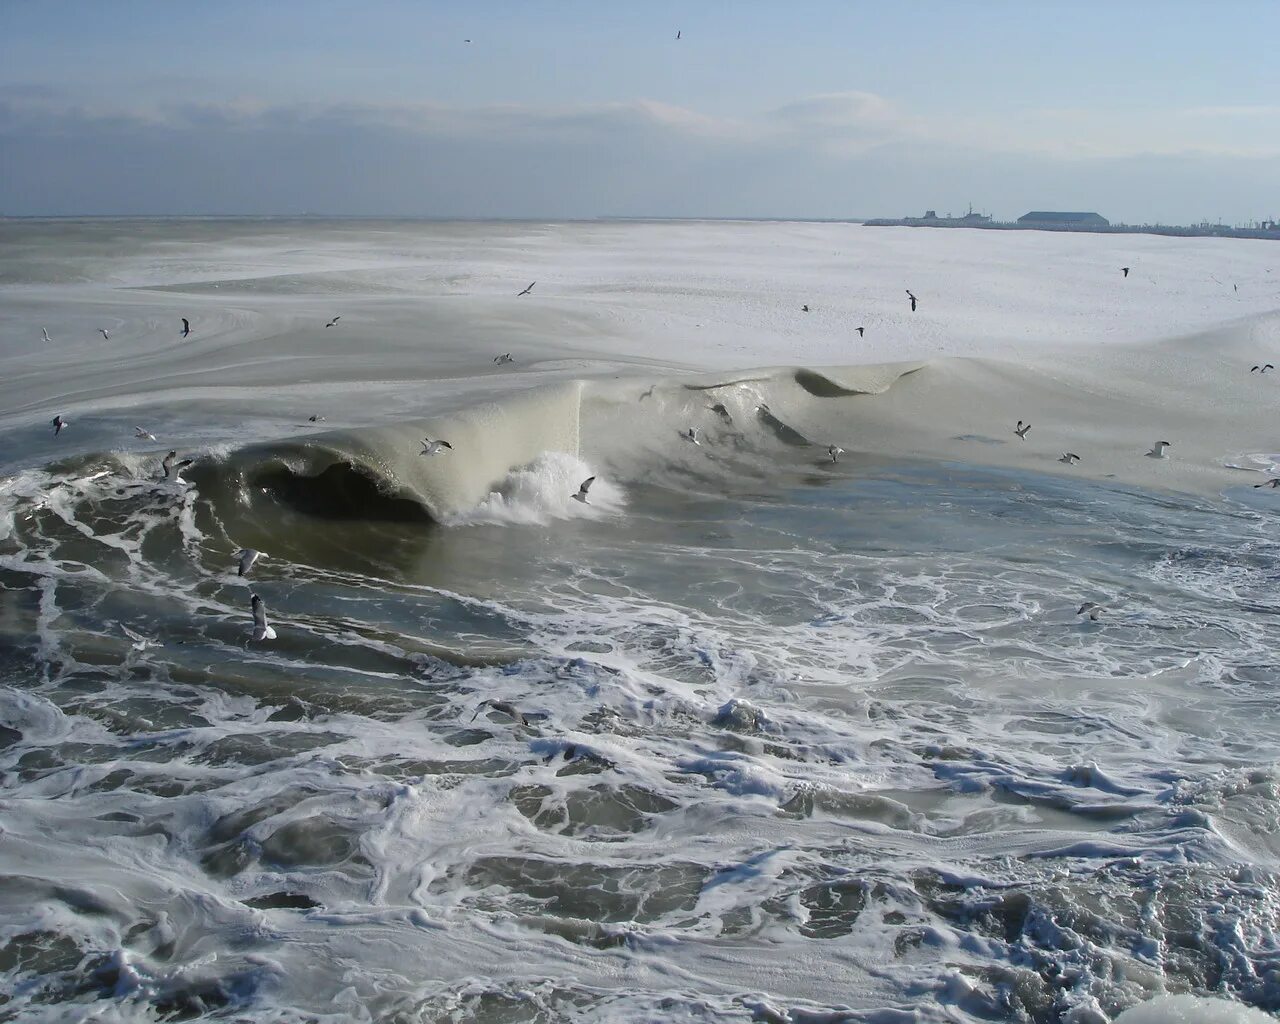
x=1051, y=219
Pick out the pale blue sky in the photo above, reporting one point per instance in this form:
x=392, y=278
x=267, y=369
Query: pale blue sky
x=1155, y=110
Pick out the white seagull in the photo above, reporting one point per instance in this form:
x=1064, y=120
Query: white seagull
x=58, y=423
x=691, y=435
x=247, y=557
x=1157, y=449
x=582, y=490
x=103, y=332
x=1274, y=482
x=430, y=447
x=835, y=451
x=503, y=359
x=143, y=435
x=1090, y=609
x=261, y=631
x=1021, y=429
x=140, y=642
x=333, y=321
x=45, y=332
x=172, y=467
x=1070, y=458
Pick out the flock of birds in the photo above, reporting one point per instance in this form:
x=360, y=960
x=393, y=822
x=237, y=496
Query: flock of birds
x=1156, y=451
x=172, y=467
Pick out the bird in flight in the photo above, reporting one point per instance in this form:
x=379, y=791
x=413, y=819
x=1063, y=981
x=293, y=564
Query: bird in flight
x=315, y=418
x=143, y=435
x=1091, y=609
x=1070, y=458
x=186, y=326
x=247, y=557
x=860, y=330
x=58, y=424
x=835, y=451
x=172, y=467
x=1262, y=369
x=582, y=490
x=333, y=321
x=1157, y=449
x=913, y=300
x=430, y=447
x=140, y=642
x=1021, y=429
x=690, y=435
x=1125, y=271
x=103, y=332
x=1274, y=482
x=503, y=706
x=527, y=290
x=677, y=34
x=45, y=332
x=804, y=308
x=261, y=631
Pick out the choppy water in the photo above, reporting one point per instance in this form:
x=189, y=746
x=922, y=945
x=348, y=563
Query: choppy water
x=752, y=737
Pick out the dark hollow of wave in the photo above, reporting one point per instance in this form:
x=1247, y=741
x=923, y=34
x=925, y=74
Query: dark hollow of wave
x=340, y=492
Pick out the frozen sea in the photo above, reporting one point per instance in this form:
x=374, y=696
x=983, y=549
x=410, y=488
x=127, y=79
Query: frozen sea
x=753, y=735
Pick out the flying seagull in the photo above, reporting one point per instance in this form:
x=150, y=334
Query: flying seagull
x=506, y=707
x=430, y=447
x=1021, y=429
x=860, y=331
x=804, y=308
x=58, y=423
x=333, y=321
x=835, y=451
x=1274, y=482
x=45, y=332
x=172, y=467
x=315, y=418
x=582, y=490
x=690, y=435
x=247, y=556
x=527, y=290
x=186, y=326
x=143, y=435
x=1125, y=271
x=1093, y=610
x=1262, y=369
x=913, y=300
x=503, y=359
x=261, y=631
x=677, y=33
x=1157, y=449
x=140, y=642
x=103, y=332
x=1070, y=458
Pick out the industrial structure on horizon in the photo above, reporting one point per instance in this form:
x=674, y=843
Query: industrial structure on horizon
x=1054, y=220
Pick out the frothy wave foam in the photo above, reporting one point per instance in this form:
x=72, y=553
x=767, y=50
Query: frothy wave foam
x=543, y=491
